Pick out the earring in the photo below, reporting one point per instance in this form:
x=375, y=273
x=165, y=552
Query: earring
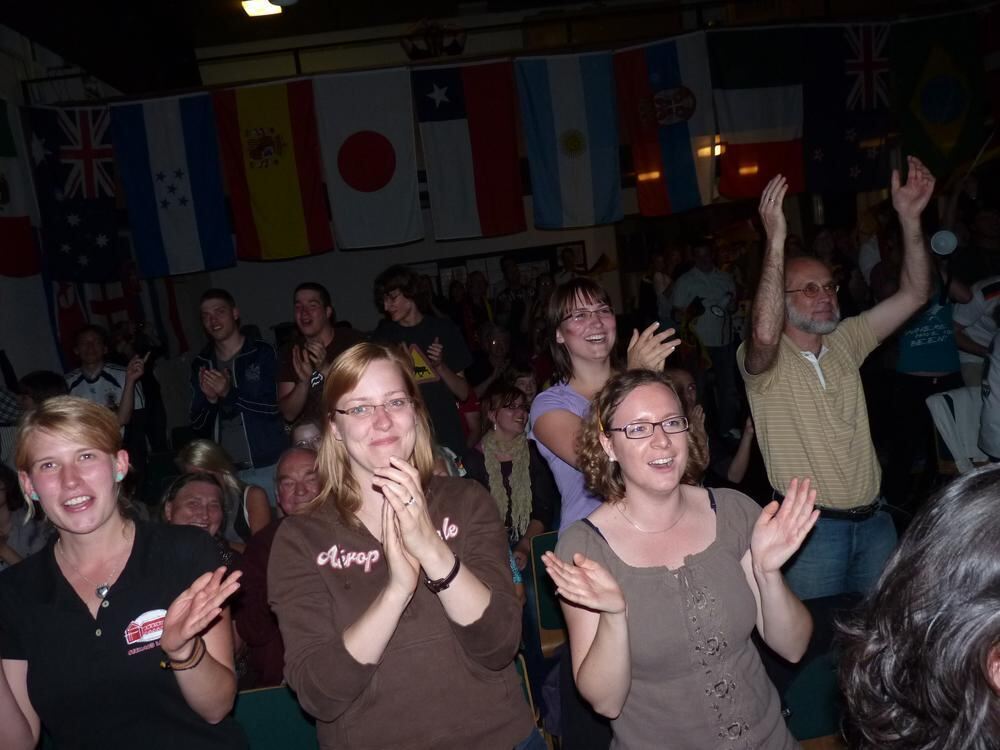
x=119, y=476
x=34, y=496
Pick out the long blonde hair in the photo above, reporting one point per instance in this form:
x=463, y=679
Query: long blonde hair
x=73, y=419
x=333, y=463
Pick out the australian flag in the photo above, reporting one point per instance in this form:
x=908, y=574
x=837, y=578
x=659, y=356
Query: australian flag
x=846, y=100
x=73, y=164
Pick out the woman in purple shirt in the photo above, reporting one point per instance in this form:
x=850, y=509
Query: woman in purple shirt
x=582, y=338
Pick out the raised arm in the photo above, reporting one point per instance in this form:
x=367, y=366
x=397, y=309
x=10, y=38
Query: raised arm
x=909, y=199
x=767, y=318
x=594, y=607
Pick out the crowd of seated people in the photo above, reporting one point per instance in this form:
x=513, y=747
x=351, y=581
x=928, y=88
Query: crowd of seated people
x=354, y=515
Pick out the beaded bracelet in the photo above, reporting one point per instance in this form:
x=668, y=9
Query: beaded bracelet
x=197, y=654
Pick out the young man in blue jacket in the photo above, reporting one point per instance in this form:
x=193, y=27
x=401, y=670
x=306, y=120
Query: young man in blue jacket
x=235, y=399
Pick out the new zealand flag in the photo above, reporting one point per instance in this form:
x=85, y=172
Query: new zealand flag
x=73, y=164
x=846, y=100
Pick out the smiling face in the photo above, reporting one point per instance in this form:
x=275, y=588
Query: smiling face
x=398, y=306
x=219, y=319
x=197, y=504
x=511, y=420
x=311, y=315
x=814, y=315
x=592, y=337
x=371, y=440
x=655, y=464
x=75, y=483
x=90, y=348
x=297, y=481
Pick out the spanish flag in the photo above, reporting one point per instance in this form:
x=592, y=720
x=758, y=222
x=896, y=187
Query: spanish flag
x=270, y=154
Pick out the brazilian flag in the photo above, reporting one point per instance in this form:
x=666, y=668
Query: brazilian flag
x=937, y=75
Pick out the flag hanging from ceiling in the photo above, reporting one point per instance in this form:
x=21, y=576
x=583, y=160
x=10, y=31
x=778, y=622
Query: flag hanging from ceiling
x=366, y=133
x=271, y=161
x=846, y=101
x=570, y=122
x=937, y=71
x=18, y=209
x=468, y=131
x=665, y=97
x=168, y=158
x=757, y=80
x=73, y=165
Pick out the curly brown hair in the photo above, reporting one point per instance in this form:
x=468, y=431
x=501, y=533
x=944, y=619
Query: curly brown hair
x=603, y=476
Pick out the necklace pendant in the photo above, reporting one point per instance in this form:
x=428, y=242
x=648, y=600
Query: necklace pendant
x=102, y=591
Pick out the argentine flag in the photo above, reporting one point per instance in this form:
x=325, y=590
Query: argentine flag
x=571, y=131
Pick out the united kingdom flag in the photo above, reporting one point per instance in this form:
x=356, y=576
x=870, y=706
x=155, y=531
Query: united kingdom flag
x=86, y=153
x=867, y=66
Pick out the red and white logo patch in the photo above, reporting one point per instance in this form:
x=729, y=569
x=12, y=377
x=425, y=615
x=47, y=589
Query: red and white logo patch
x=146, y=628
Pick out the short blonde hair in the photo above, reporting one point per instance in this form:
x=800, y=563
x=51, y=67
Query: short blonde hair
x=604, y=476
x=70, y=418
x=333, y=463
x=74, y=419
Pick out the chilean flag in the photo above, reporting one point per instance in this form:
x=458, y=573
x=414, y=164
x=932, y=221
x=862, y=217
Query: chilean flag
x=665, y=97
x=469, y=134
x=366, y=135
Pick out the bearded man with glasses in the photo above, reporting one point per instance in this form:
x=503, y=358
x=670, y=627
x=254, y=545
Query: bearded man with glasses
x=801, y=369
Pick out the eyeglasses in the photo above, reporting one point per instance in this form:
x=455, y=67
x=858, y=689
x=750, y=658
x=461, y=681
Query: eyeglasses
x=515, y=407
x=642, y=430
x=812, y=289
x=366, y=411
x=312, y=443
x=583, y=315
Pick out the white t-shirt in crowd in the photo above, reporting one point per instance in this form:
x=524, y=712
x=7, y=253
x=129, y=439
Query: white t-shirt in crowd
x=716, y=289
x=976, y=316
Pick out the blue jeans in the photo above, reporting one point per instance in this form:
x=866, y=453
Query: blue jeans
x=533, y=741
x=263, y=477
x=841, y=557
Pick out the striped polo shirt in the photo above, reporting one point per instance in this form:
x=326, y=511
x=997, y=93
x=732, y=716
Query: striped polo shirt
x=811, y=417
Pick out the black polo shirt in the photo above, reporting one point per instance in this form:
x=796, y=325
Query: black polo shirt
x=98, y=683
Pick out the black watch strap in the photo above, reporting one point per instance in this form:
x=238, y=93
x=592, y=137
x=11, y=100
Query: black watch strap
x=442, y=583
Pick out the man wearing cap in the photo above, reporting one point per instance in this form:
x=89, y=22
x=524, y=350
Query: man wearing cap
x=801, y=369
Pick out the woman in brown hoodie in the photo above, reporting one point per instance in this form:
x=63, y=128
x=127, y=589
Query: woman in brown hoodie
x=394, y=594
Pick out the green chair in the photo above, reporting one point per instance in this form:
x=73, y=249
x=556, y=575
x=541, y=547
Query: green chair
x=551, y=625
x=271, y=717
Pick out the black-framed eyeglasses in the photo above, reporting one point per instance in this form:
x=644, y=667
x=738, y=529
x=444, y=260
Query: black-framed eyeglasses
x=642, y=430
x=582, y=315
x=365, y=411
x=812, y=289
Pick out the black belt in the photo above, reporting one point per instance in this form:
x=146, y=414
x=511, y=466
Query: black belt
x=858, y=513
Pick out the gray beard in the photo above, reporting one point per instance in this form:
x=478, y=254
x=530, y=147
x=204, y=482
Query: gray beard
x=808, y=325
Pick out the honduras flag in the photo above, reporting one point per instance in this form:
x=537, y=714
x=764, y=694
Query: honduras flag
x=168, y=158
x=571, y=131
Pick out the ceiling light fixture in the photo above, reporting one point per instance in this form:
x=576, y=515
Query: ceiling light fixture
x=255, y=8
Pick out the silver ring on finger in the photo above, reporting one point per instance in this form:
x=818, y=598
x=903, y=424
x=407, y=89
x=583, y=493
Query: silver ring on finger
x=411, y=501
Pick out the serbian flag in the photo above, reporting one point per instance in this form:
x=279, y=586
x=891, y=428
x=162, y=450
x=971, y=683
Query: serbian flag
x=271, y=160
x=665, y=97
x=468, y=129
x=571, y=132
x=757, y=77
x=168, y=160
x=18, y=208
x=366, y=131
